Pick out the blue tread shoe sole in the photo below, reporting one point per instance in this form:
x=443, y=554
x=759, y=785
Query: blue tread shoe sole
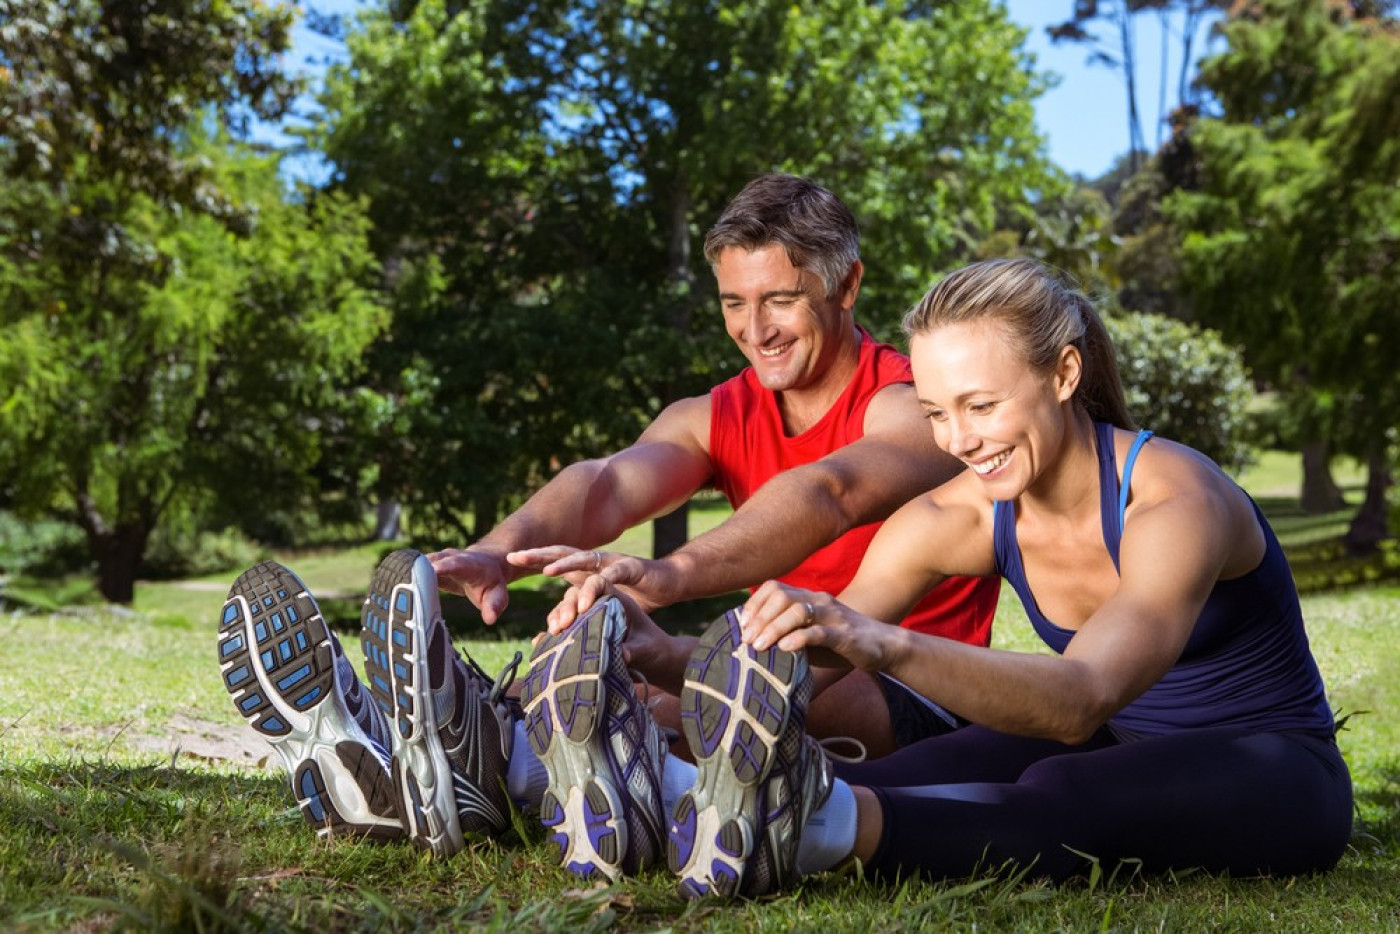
x=278, y=661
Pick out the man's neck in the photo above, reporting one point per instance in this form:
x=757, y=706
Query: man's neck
x=803, y=408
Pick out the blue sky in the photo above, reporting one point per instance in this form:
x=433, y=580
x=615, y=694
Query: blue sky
x=1083, y=117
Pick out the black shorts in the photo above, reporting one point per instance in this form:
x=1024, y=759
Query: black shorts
x=912, y=716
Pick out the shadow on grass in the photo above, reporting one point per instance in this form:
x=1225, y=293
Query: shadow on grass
x=525, y=616
x=153, y=844
x=104, y=846
x=1380, y=800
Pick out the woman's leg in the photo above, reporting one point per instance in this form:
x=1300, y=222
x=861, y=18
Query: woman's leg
x=971, y=754
x=1222, y=800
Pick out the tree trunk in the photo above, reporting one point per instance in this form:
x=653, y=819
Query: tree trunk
x=386, y=520
x=485, y=508
x=1371, y=525
x=118, y=555
x=670, y=531
x=1320, y=492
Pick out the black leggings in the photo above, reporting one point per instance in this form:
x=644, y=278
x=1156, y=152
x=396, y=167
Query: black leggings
x=1225, y=800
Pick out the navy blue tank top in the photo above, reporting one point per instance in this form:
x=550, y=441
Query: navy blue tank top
x=1247, y=662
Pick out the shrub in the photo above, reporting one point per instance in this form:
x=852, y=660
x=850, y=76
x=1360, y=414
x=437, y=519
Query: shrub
x=43, y=548
x=176, y=552
x=1186, y=384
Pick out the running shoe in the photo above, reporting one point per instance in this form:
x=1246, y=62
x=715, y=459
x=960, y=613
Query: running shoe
x=450, y=723
x=760, y=776
x=601, y=748
x=290, y=679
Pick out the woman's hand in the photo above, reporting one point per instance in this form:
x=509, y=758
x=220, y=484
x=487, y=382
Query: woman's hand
x=833, y=634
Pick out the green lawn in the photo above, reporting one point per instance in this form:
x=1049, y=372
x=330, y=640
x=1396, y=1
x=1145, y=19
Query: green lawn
x=132, y=794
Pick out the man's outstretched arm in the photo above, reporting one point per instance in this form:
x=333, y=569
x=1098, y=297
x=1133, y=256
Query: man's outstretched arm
x=587, y=504
x=789, y=517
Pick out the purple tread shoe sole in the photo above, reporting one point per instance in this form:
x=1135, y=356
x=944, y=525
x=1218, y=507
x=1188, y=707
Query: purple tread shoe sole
x=710, y=841
x=604, y=815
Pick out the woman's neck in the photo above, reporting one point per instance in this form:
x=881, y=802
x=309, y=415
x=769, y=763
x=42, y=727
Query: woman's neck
x=1070, y=485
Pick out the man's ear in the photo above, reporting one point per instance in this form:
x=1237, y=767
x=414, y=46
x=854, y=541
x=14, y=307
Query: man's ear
x=850, y=286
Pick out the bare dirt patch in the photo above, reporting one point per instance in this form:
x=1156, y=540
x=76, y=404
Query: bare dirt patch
x=208, y=741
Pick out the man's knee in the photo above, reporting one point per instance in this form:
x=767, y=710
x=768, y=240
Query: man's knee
x=854, y=707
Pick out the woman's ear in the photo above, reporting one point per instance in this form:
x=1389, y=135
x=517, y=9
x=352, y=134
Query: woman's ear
x=1069, y=370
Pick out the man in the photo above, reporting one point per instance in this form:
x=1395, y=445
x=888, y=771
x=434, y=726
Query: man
x=815, y=443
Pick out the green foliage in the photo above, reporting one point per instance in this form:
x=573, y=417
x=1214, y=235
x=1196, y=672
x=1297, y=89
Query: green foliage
x=539, y=208
x=1186, y=384
x=1289, y=240
x=46, y=547
x=1067, y=229
x=149, y=271
x=176, y=552
x=102, y=90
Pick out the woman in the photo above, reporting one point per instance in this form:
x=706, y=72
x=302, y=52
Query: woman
x=1183, y=722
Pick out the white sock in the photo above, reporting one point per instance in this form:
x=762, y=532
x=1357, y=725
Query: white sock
x=526, y=779
x=829, y=835
x=677, y=777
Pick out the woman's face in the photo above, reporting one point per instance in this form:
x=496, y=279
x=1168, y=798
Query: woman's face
x=988, y=407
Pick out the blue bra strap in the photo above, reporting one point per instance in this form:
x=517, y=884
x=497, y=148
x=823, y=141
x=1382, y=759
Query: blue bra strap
x=1138, y=442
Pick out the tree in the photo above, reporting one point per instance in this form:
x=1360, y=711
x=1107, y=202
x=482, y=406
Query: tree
x=1290, y=245
x=146, y=273
x=561, y=161
x=1119, y=51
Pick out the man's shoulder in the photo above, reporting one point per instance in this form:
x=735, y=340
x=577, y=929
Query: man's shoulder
x=742, y=385
x=888, y=362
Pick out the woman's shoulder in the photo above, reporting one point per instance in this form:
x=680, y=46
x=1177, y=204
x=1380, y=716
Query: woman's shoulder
x=1168, y=472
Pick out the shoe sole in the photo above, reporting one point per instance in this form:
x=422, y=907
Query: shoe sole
x=394, y=636
x=564, y=699
x=277, y=658
x=734, y=709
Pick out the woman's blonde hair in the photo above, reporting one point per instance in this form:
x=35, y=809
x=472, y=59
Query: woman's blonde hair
x=1042, y=313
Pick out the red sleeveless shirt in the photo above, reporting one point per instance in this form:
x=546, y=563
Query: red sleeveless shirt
x=748, y=446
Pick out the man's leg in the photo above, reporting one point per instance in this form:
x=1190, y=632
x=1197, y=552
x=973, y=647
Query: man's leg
x=876, y=710
x=852, y=706
x=453, y=728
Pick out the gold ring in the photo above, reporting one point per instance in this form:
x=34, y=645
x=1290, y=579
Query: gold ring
x=811, y=615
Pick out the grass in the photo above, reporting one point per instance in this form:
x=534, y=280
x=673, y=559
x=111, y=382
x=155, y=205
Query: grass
x=133, y=796
x=113, y=810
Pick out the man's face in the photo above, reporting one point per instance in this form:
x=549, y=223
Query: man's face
x=779, y=315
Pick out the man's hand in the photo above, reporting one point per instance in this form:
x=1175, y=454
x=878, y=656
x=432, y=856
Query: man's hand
x=650, y=584
x=648, y=648
x=476, y=575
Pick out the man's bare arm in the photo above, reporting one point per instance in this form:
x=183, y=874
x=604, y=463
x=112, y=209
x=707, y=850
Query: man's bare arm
x=788, y=518
x=803, y=509
x=588, y=504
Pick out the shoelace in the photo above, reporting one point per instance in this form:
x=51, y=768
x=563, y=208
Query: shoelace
x=826, y=747
x=670, y=735
x=499, y=684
